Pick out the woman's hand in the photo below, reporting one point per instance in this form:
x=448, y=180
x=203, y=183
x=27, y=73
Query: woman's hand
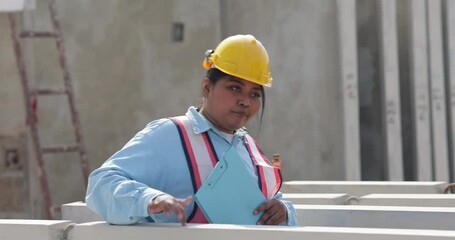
x=275, y=212
x=167, y=204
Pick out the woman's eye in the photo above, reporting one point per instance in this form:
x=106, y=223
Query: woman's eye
x=256, y=95
x=236, y=89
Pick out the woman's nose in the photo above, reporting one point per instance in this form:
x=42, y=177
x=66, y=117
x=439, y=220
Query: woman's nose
x=244, y=101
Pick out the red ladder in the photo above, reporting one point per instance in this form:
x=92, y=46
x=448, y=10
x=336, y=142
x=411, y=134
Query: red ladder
x=32, y=94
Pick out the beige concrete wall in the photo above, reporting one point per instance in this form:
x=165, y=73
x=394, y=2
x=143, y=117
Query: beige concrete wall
x=11, y=101
x=126, y=72
x=13, y=169
x=303, y=118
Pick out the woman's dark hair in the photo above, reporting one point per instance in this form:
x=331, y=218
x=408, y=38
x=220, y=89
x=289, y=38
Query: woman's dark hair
x=214, y=74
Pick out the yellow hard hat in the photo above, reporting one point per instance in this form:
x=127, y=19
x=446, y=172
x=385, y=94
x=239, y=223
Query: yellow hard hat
x=241, y=56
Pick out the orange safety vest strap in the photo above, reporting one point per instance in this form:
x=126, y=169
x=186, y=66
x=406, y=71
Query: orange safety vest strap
x=269, y=177
x=201, y=159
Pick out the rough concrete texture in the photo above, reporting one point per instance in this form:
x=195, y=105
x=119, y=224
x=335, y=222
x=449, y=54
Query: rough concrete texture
x=361, y=188
x=430, y=218
x=32, y=229
x=303, y=111
x=12, y=120
x=415, y=200
x=97, y=230
x=53, y=230
x=78, y=212
x=316, y=198
x=127, y=70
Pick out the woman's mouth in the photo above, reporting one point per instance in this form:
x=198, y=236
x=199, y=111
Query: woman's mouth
x=239, y=113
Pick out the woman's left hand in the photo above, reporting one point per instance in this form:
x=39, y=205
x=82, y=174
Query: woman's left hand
x=275, y=212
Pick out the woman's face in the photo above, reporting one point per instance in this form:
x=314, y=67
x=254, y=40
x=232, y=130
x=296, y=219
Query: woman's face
x=231, y=102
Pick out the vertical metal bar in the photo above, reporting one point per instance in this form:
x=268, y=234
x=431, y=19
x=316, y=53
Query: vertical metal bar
x=347, y=36
x=390, y=90
x=419, y=91
x=450, y=70
x=69, y=89
x=437, y=87
x=31, y=117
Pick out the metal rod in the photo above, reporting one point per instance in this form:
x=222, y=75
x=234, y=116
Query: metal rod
x=31, y=117
x=69, y=89
x=50, y=91
x=60, y=149
x=30, y=34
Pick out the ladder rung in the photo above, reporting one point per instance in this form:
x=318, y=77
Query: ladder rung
x=30, y=34
x=60, y=149
x=49, y=91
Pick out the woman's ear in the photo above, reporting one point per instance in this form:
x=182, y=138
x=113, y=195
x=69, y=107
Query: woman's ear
x=206, y=87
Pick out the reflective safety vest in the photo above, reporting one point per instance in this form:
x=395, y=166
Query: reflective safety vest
x=201, y=158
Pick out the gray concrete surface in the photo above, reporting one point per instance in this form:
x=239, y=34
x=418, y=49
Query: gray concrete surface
x=32, y=229
x=361, y=188
x=78, y=212
x=398, y=217
x=415, y=200
x=96, y=230
x=316, y=198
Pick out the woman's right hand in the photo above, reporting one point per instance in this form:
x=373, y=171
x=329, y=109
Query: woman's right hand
x=167, y=204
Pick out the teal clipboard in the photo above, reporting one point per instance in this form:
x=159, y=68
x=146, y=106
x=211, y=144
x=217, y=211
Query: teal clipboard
x=230, y=194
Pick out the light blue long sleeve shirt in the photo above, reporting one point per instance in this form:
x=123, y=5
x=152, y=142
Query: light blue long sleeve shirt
x=153, y=163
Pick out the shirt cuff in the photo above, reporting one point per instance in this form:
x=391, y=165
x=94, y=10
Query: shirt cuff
x=157, y=217
x=148, y=196
x=292, y=215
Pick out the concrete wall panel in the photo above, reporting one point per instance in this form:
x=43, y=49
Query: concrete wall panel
x=126, y=68
x=303, y=108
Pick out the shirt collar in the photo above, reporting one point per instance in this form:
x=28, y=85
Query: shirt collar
x=201, y=124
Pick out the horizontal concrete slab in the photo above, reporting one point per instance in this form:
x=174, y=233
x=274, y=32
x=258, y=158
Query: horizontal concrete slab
x=412, y=200
x=376, y=216
x=78, y=212
x=101, y=231
x=11, y=5
x=359, y=188
x=316, y=198
x=18, y=229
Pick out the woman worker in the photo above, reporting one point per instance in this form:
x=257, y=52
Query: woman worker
x=154, y=176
